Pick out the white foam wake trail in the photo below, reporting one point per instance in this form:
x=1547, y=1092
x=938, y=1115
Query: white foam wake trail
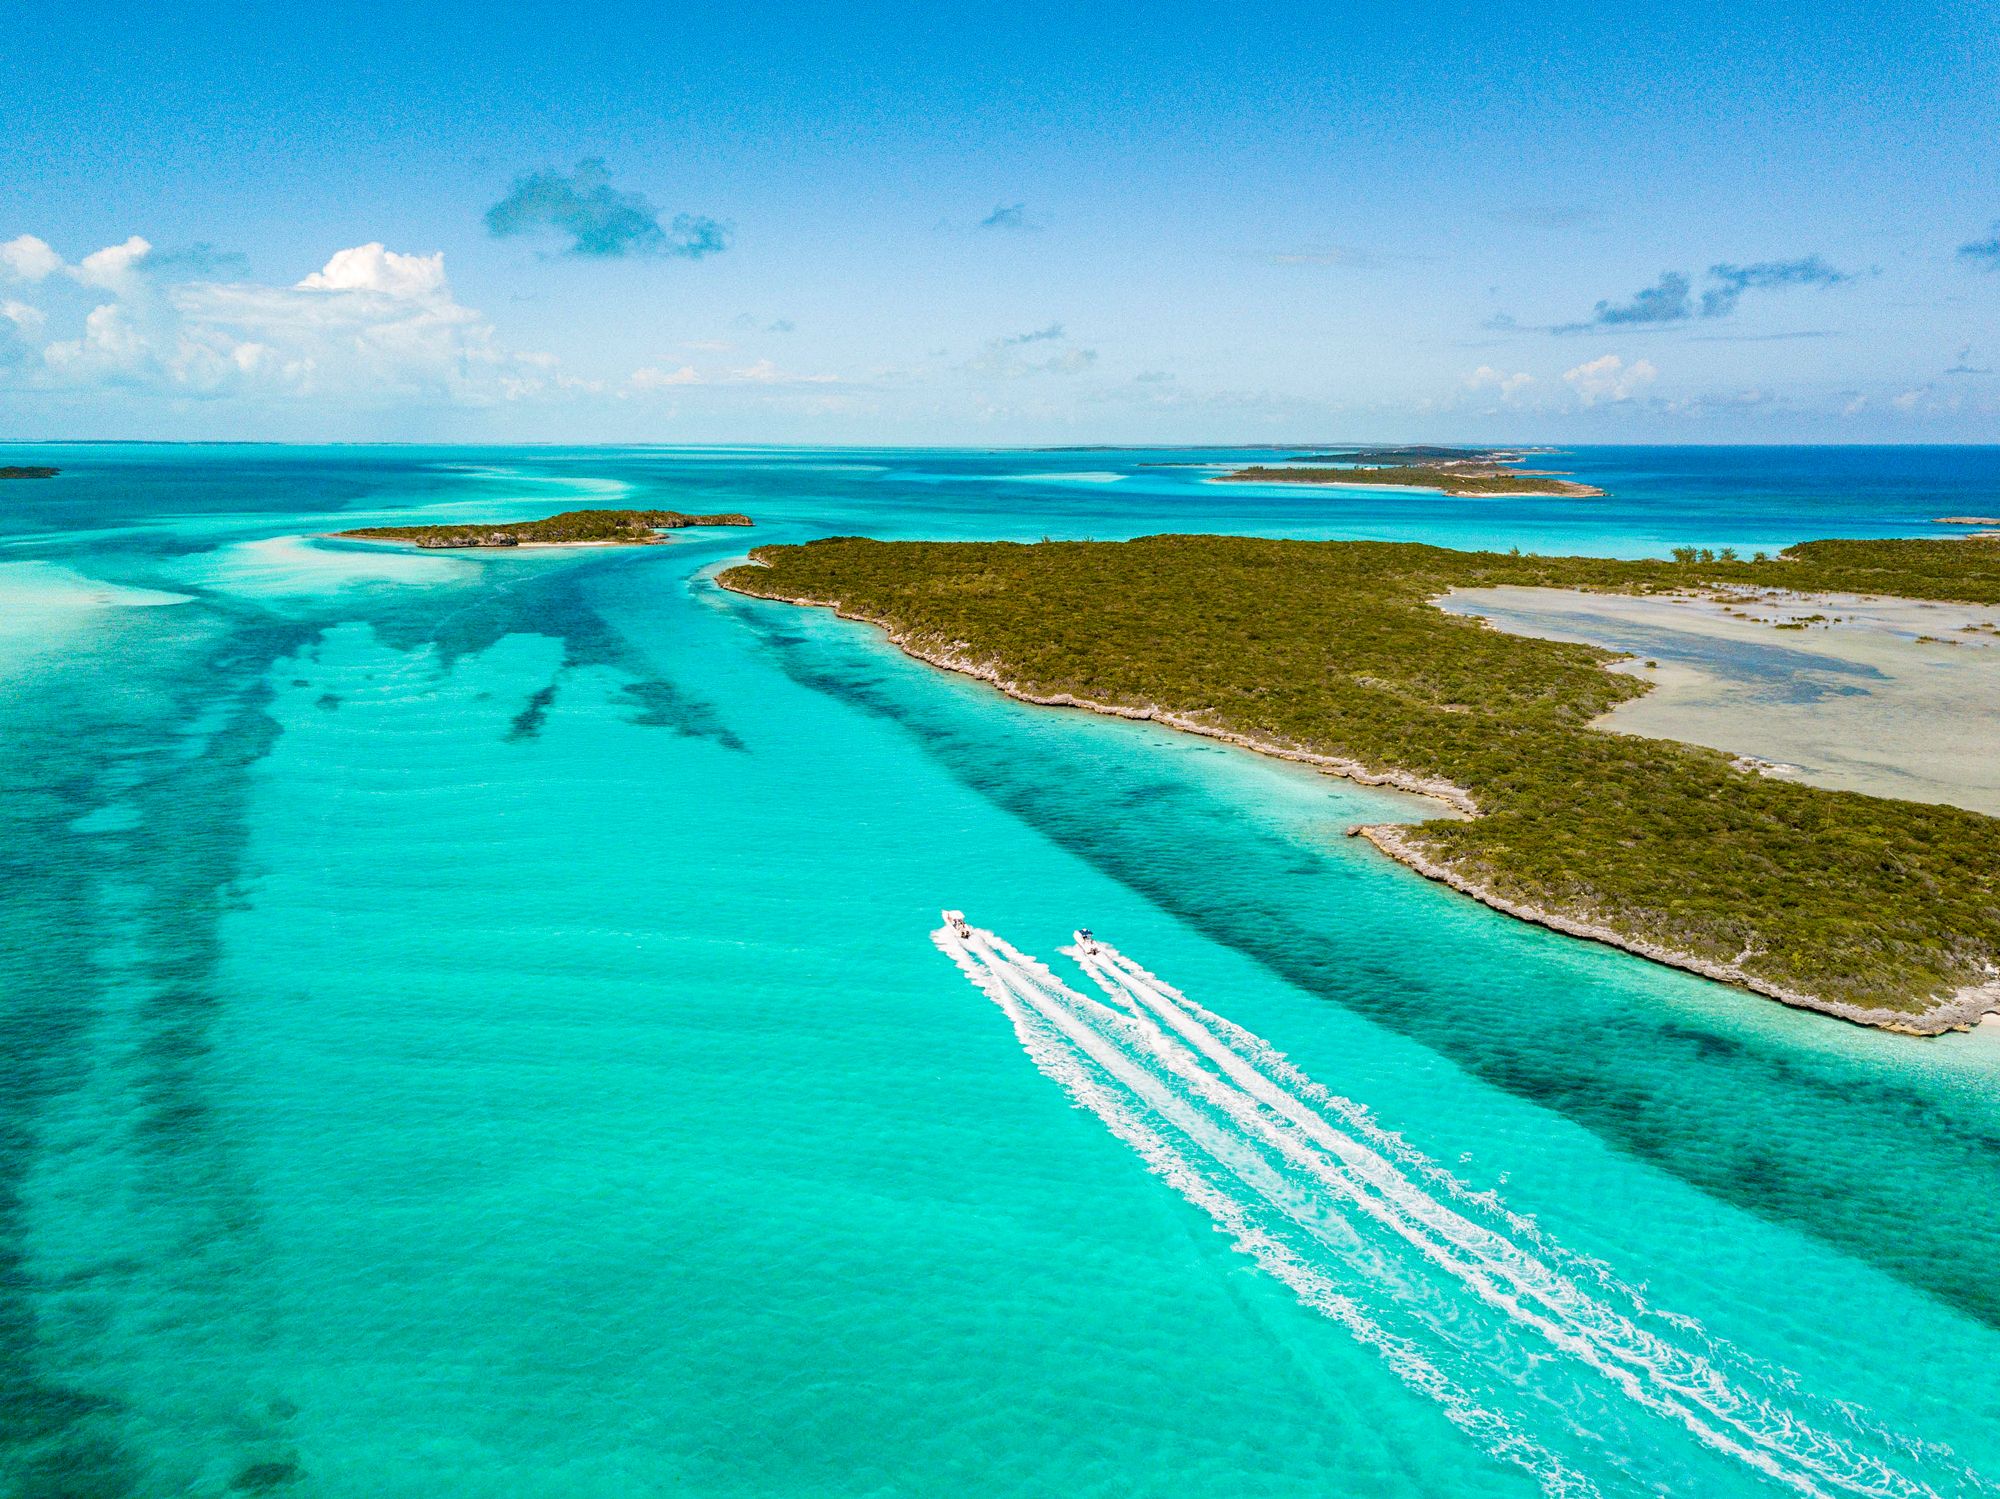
x=1010, y=981
x=1524, y=1229
x=1356, y=1117
x=1245, y=1108
x=1667, y=1379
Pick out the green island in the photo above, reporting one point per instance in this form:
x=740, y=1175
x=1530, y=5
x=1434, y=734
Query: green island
x=1454, y=478
x=1883, y=912
x=28, y=471
x=570, y=528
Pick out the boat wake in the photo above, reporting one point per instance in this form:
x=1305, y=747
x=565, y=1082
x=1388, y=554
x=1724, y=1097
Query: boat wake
x=1542, y=1356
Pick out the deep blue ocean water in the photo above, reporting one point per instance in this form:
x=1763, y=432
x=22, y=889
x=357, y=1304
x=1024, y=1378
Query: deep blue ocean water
x=472, y=1026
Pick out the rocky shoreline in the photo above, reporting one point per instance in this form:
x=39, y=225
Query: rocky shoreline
x=1958, y=1011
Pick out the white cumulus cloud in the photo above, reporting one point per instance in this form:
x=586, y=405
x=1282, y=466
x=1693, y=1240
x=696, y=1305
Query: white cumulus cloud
x=370, y=325
x=371, y=267
x=1609, y=379
x=115, y=268
x=29, y=259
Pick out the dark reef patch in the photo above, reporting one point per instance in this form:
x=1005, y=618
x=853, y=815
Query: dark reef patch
x=527, y=724
x=261, y=1478
x=662, y=705
x=60, y=986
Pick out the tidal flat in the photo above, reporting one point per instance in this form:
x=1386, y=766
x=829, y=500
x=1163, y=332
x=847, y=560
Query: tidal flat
x=1889, y=697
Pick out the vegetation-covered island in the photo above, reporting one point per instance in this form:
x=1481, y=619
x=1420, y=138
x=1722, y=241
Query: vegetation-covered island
x=28, y=471
x=1884, y=912
x=571, y=528
x=1446, y=476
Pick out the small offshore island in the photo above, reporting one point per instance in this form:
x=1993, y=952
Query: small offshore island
x=1447, y=476
x=1880, y=911
x=570, y=528
x=28, y=471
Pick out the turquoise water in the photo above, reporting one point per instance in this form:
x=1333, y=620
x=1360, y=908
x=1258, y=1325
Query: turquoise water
x=472, y=1026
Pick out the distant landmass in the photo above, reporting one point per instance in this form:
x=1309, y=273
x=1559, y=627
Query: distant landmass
x=1455, y=477
x=28, y=471
x=570, y=528
x=1414, y=453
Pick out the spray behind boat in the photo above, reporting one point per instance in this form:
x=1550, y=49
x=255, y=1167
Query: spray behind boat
x=1457, y=1292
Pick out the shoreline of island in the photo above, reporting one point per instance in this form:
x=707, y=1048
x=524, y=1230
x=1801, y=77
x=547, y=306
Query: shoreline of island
x=1580, y=491
x=1958, y=1011
x=410, y=544
x=1465, y=481
x=1961, y=1010
x=569, y=528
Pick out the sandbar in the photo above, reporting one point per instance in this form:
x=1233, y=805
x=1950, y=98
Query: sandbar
x=1892, y=697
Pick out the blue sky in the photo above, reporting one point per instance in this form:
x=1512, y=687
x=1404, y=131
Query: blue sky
x=1017, y=224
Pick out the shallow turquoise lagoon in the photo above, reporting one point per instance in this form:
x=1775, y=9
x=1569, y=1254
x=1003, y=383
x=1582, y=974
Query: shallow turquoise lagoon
x=472, y=1026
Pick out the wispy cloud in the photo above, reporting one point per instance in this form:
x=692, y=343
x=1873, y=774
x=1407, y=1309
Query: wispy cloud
x=652, y=377
x=1672, y=299
x=760, y=372
x=1762, y=338
x=1983, y=253
x=1486, y=377
x=201, y=260
x=1965, y=366
x=1348, y=256
x=764, y=372
x=1609, y=379
x=1733, y=280
x=1668, y=300
x=1002, y=358
x=1007, y=216
x=598, y=220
